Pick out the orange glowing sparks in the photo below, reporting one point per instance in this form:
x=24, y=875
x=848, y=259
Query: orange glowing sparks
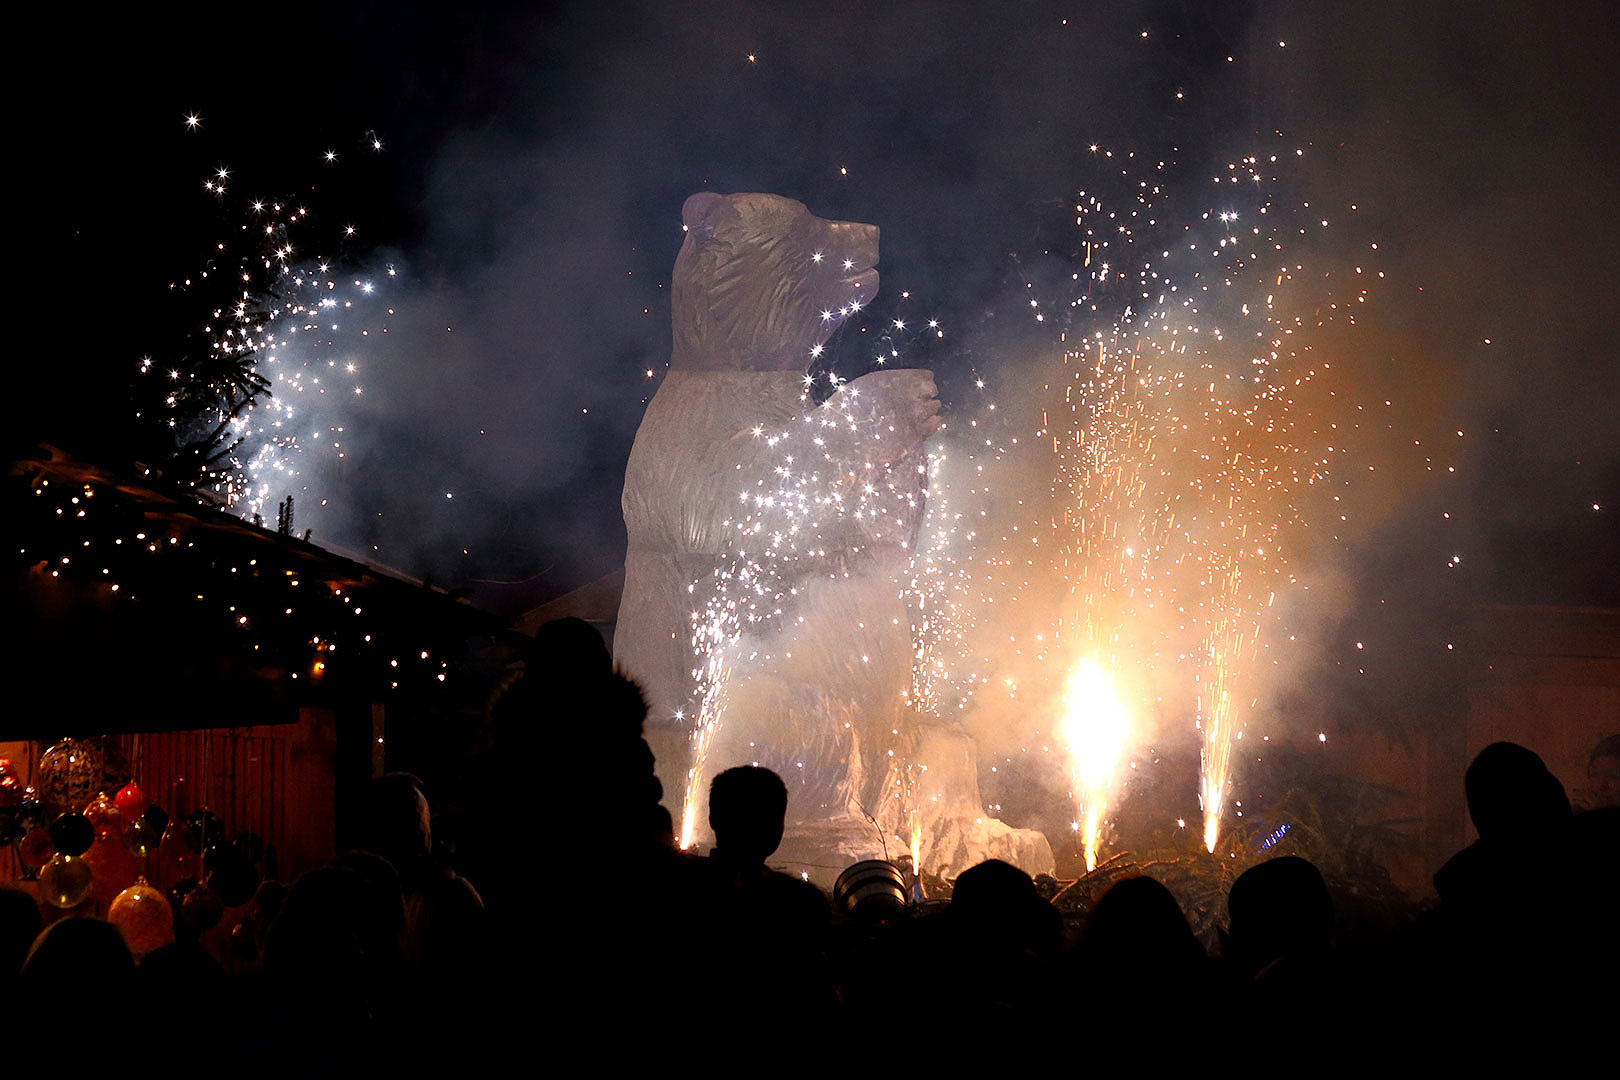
x=1186, y=450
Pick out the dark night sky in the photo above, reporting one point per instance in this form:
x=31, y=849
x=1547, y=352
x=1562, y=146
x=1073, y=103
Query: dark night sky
x=535, y=161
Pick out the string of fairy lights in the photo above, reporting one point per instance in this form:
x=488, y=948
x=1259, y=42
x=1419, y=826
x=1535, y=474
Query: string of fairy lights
x=239, y=587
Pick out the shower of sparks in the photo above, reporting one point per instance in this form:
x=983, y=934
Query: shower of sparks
x=935, y=590
x=936, y=593
x=305, y=353
x=1185, y=442
x=1096, y=726
x=838, y=483
x=824, y=489
x=916, y=857
x=294, y=329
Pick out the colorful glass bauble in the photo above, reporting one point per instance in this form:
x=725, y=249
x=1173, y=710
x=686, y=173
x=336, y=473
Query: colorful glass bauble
x=131, y=801
x=35, y=849
x=143, y=915
x=198, y=908
x=177, y=857
x=113, y=867
x=11, y=785
x=141, y=838
x=70, y=773
x=206, y=830
x=30, y=811
x=230, y=873
x=104, y=816
x=65, y=881
x=72, y=834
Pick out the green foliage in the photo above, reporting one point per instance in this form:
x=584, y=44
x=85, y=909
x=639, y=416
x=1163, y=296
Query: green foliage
x=193, y=398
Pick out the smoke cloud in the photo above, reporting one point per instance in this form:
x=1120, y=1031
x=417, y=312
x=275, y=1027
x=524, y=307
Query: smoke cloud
x=534, y=168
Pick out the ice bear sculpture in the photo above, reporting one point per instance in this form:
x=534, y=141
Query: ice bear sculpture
x=817, y=694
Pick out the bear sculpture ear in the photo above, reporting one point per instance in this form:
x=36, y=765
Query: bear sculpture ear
x=707, y=213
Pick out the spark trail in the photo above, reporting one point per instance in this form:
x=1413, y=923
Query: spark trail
x=827, y=494
x=275, y=377
x=1186, y=442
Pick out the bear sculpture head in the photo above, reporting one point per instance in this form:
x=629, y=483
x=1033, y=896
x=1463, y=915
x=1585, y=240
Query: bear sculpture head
x=760, y=282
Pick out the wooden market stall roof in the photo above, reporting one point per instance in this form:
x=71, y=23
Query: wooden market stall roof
x=139, y=607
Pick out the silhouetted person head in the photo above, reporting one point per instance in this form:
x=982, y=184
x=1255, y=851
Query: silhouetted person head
x=997, y=900
x=179, y=968
x=1511, y=793
x=571, y=649
x=1278, y=908
x=623, y=708
x=336, y=939
x=398, y=825
x=661, y=825
x=747, y=810
x=75, y=953
x=570, y=705
x=385, y=889
x=992, y=892
x=1138, y=926
x=19, y=926
x=1603, y=774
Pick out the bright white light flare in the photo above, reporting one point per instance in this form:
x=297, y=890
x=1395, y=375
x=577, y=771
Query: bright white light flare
x=1097, y=727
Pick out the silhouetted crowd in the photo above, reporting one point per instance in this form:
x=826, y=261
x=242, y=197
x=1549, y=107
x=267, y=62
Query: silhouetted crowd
x=591, y=944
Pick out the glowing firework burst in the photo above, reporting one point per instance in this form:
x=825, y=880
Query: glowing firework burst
x=1097, y=728
x=280, y=357
x=1184, y=444
x=826, y=496
x=935, y=588
x=312, y=354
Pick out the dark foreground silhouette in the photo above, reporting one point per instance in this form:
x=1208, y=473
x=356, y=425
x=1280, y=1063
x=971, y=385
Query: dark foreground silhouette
x=569, y=924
